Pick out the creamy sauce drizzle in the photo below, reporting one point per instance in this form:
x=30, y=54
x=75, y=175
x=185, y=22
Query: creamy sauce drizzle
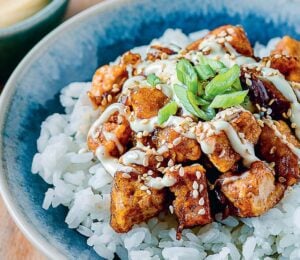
x=242, y=147
x=287, y=91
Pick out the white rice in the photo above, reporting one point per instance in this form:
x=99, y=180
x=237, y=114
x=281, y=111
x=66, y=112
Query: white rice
x=79, y=182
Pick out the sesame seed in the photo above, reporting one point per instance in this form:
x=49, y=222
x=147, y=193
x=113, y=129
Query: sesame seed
x=258, y=106
x=181, y=171
x=201, y=212
x=284, y=115
x=277, y=56
x=126, y=175
x=170, y=163
x=198, y=174
x=272, y=150
x=201, y=187
x=271, y=102
x=109, y=98
x=159, y=158
x=145, y=121
x=206, y=49
x=268, y=64
x=139, y=135
x=201, y=202
x=158, y=87
x=260, y=122
x=248, y=82
x=294, y=125
x=269, y=111
x=289, y=112
x=150, y=172
x=170, y=146
x=177, y=141
x=145, y=133
x=145, y=161
x=195, y=194
x=195, y=185
x=247, y=75
x=263, y=109
x=143, y=187
x=282, y=179
x=171, y=208
x=104, y=102
x=272, y=164
x=228, y=38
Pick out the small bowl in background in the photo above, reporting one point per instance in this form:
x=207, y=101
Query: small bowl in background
x=18, y=39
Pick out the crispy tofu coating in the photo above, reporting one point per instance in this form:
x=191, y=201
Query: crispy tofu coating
x=235, y=35
x=181, y=148
x=286, y=58
x=130, y=203
x=253, y=192
x=223, y=157
x=108, y=81
x=191, y=204
x=274, y=148
x=146, y=102
x=113, y=135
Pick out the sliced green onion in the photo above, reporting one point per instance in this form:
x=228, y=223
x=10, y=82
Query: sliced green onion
x=210, y=112
x=229, y=100
x=187, y=75
x=214, y=64
x=153, y=80
x=204, y=71
x=222, y=82
x=167, y=111
x=201, y=102
x=237, y=85
x=193, y=101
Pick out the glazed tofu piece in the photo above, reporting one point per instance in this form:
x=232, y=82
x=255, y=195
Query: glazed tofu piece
x=191, y=204
x=221, y=153
x=180, y=148
x=146, y=102
x=235, y=35
x=275, y=145
x=286, y=58
x=108, y=81
x=113, y=136
x=253, y=192
x=132, y=202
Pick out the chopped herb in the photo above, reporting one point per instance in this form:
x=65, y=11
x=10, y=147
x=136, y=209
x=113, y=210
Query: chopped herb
x=229, y=100
x=222, y=82
x=194, y=102
x=187, y=75
x=153, y=80
x=204, y=71
x=167, y=111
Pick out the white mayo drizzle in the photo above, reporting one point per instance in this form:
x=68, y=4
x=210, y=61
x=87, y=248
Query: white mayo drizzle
x=133, y=157
x=110, y=163
x=243, y=148
x=159, y=183
x=287, y=91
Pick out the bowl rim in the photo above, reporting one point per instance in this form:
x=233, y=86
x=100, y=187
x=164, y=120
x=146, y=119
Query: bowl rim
x=38, y=17
x=30, y=232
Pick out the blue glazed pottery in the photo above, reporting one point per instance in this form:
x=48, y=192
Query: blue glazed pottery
x=71, y=53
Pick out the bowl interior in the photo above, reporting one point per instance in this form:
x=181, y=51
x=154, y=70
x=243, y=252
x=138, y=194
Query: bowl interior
x=72, y=53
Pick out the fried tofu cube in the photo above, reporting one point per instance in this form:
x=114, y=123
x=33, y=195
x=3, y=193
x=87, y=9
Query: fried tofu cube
x=181, y=148
x=108, y=81
x=221, y=153
x=286, y=58
x=117, y=126
x=131, y=203
x=275, y=148
x=146, y=102
x=253, y=192
x=191, y=204
x=235, y=35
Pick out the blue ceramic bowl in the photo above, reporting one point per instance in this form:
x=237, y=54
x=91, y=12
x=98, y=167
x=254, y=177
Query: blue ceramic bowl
x=72, y=53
